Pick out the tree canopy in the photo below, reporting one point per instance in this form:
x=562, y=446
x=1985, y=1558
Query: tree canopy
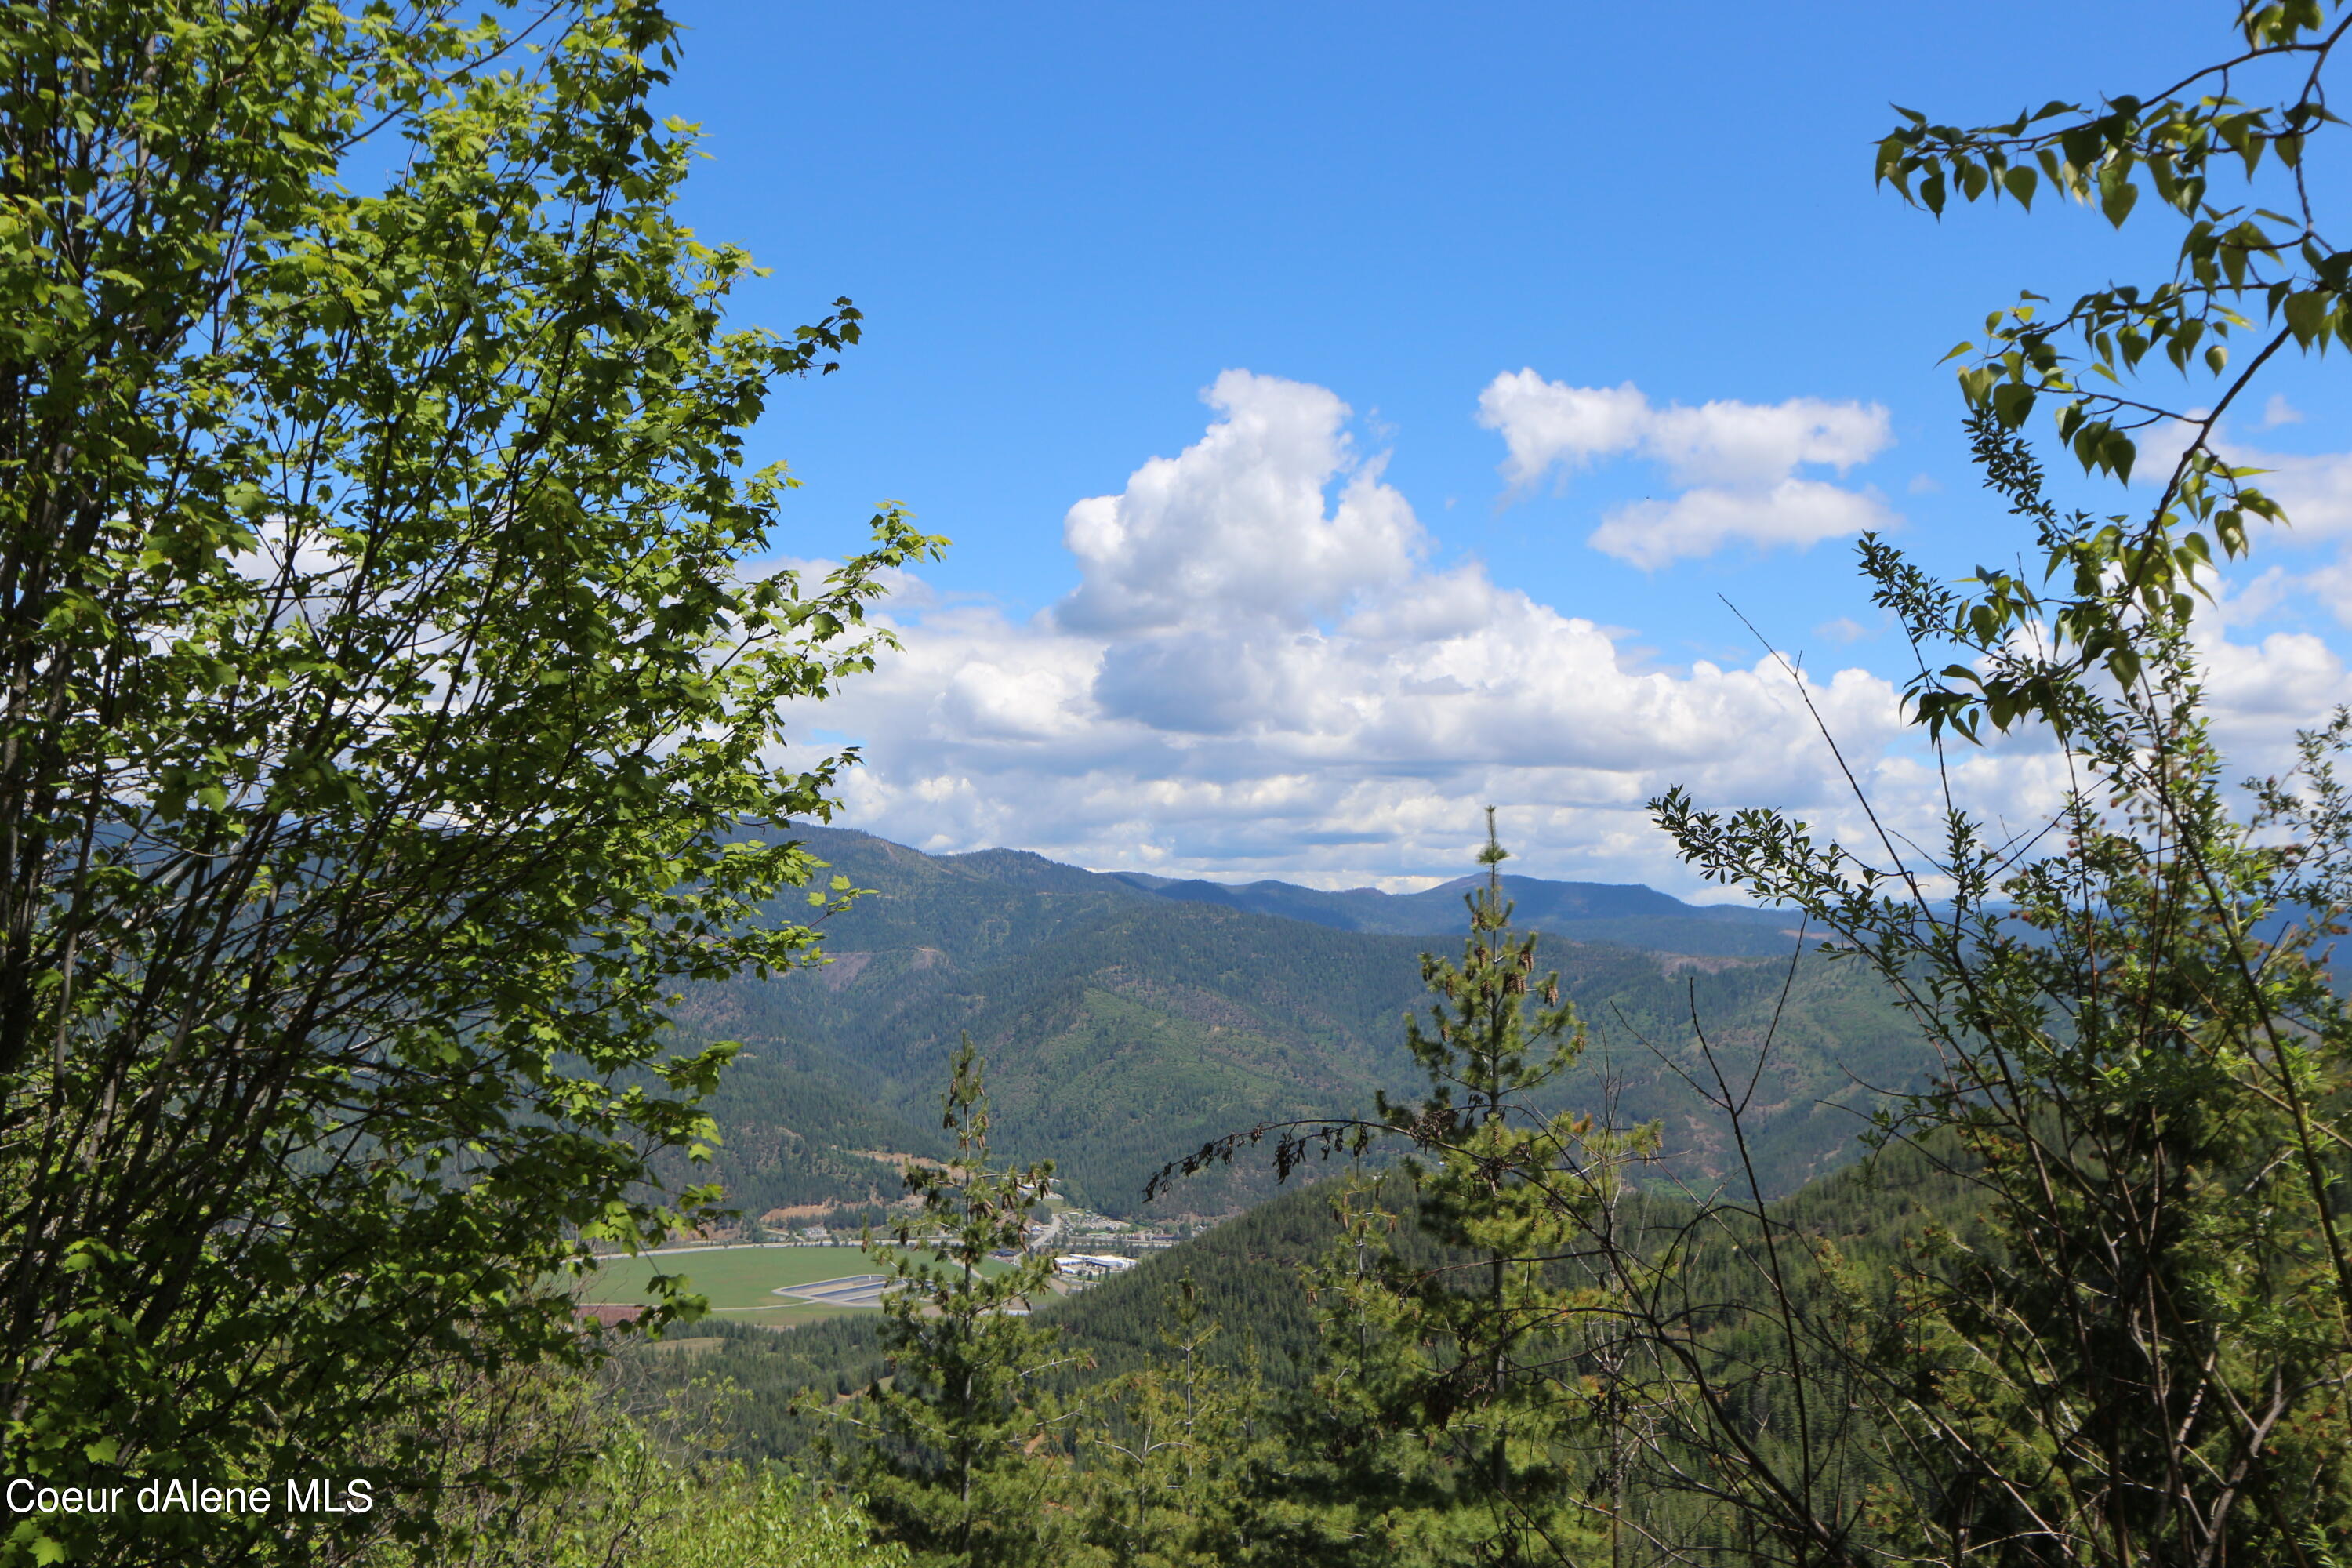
x=387, y=692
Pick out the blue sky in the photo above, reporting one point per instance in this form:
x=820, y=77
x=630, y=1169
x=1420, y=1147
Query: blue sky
x=1314, y=643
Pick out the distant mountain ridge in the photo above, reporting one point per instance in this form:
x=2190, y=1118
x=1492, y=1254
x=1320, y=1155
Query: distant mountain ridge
x=1626, y=913
x=1127, y=1019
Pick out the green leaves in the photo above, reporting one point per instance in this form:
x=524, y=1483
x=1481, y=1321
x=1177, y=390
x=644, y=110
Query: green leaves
x=376, y=555
x=2117, y=191
x=2109, y=1018
x=2309, y=314
x=2093, y=352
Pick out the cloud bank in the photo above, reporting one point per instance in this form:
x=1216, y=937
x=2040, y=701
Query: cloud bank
x=1261, y=672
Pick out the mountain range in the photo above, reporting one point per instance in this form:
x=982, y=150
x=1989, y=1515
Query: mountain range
x=1126, y=1019
x=1618, y=913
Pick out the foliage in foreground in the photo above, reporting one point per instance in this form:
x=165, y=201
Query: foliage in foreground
x=1442, y=1426
x=641, y=1482
x=639, y=1507
x=380, y=709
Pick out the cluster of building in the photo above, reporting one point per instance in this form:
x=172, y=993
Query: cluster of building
x=1113, y=1246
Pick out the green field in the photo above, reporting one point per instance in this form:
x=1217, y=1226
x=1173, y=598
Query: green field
x=740, y=1281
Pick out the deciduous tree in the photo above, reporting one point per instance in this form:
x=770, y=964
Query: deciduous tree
x=2142, y=1356
x=383, y=692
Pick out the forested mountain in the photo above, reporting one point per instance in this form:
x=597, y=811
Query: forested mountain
x=1125, y=1023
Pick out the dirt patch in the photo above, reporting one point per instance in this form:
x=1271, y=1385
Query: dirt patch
x=1705, y=963
x=927, y=957
x=896, y=1161
x=792, y=1213
x=845, y=969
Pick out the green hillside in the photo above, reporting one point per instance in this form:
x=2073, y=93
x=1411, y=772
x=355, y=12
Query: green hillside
x=1123, y=1029
x=1247, y=1269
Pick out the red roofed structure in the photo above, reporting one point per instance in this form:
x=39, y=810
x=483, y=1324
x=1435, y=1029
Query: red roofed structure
x=609, y=1313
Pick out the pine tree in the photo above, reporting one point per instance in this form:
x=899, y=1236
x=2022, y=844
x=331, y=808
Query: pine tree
x=1450, y=1409
x=955, y=1450
x=1171, y=1461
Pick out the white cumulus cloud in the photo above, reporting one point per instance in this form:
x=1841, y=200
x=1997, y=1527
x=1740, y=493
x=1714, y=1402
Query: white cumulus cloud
x=1236, y=527
x=1701, y=521
x=1736, y=463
